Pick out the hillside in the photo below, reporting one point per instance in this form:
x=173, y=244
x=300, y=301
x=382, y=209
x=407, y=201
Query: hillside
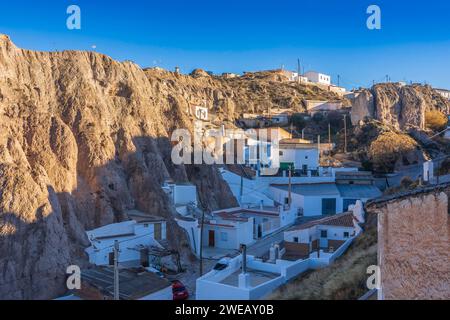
x=84, y=138
x=400, y=106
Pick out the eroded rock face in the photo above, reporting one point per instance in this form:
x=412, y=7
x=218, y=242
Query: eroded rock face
x=401, y=107
x=363, y=107
x=414, y=246
x=83, y=138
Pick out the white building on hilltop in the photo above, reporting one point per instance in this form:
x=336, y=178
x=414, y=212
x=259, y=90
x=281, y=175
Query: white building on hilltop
x=316, y=77
x=444, y=92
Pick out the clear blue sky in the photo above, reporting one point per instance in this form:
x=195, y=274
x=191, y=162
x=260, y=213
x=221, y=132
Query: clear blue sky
x=247, y=35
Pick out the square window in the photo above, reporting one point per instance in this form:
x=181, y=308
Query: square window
x=281, y=153
x=296, y=239
x=323, y=233
x=346, y=234
x=224, y=236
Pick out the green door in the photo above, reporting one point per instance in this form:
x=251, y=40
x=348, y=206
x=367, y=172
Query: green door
x=286, y=165
x=329, y=206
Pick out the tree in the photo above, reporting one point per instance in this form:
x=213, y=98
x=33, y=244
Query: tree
x=318, y=117
x=298, y=121
x=335, y=118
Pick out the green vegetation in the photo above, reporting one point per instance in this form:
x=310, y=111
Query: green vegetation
x=435, y=120
x=444, y=168
x=298, y=121
x=390, y=148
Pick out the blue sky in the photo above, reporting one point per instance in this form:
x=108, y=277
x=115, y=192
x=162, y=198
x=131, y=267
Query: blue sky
x=246, y=35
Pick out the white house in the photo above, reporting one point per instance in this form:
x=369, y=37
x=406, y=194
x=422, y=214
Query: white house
x=266, y=219
x=280, y=119
x=134, y=239
x=324, y=235
x=324, y=198
x=182, y=195
x=444, y=92
x=314, y=106
x=298, y=155
x=227, y=231
x=327, y=234
x=259, y=149
x=317, y=77
x=302, y=250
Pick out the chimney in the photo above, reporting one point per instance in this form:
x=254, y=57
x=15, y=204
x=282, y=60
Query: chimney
x=244, y=277
x=244, y=258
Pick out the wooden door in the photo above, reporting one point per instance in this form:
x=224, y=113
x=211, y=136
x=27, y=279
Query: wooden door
x=158, y=231
x=211, y=238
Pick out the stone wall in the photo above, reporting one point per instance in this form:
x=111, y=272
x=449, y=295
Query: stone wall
x=413, y=245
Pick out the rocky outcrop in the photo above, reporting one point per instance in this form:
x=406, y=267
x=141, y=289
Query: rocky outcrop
x=363, y=107
x=83, y=138
x=399, y=106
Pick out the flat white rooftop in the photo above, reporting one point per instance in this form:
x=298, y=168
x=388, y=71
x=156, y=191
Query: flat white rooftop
x=256, y=277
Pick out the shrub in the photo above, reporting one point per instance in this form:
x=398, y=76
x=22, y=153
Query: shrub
x=336, y=119
x=406, y=182
x=435, y=120
x=444, y=167
x=298, y=121
x=388, y=149
x=318, y=117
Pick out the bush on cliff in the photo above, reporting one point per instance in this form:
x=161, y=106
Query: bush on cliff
x=389, y=149
x=435, y=120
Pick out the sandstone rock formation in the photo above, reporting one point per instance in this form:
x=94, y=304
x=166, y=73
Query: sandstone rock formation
x=402, y=107
x=83, y=138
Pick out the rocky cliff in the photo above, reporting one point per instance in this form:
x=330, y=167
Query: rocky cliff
x=84, y=138
x=399, y=106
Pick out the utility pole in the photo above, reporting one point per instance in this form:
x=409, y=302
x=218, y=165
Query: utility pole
x=290, y=186
x=329, y=133
x=241, y=191
x=318, y=146
x=339, y=80
x=201, y=240
x=345, y=133
x=299, y=70
x=116, y=270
